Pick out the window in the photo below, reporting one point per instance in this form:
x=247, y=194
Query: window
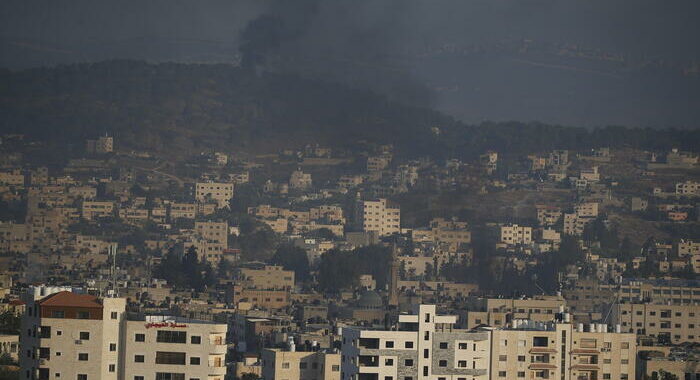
x=521, y=374
x=427, y=335
x=285, y=365
x=463, y=346
x=335, y=368
x=443, y=345
x=138, y=378
x=389, y=344
x=82, y=376
x=84, y=335
x=408, y=363
x=112, y=347
x=442, y=363
x=114, y=315
x=45, y=332
x=140, y=338
x=59, y=314
x=389, y=362
x=167, y=336
x=139, y=358
x=462, y=364
x=83, y=315
x=194, y=339
x=194, y=360
x=502, y=373
x=425, y=370
x=426, y=353
x=408, y=345
x=112, y=367
x=170, y=357
x=521, y=358
x=625, y=345
x=502, y=358
x=169, y=376
x=83, y=356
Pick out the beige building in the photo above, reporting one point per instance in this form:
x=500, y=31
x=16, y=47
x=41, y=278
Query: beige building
x=497, y=312
x=548, y=215
x=14, y=177
x=670, y=323
x=515, y=235
x=221, y=193
x=9, y=345
x=97, y=209
x=79, y=336
x=300, y=180
x=379, y=216
x=182, y=211
x=688, y=188
x=270, y=277
x=287, y=365
x=688, y=248
x=547, y=350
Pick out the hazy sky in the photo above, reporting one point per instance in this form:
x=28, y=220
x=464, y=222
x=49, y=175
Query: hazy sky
x=589, y=62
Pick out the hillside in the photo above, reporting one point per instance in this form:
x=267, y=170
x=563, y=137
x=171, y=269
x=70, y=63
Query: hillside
x=187, y=108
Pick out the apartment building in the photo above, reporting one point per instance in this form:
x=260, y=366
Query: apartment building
x=216, y=231
x=68, y=335
x=592, y=295
x=182, y=211
x=378, y=163
x=300, y=180
x=515, y=234
x=104, y=144
x=221, y=193
x=451, y=232
x=587, y=210
x=548, y=215
x=379, y=216
x=269, y=277
x=171, y=348
x=549, y=350
x=424, y=345
x=688, y=188
x=71, y=336
x=497, y=312
x=278, y=364
x=575, y=224
x=669, y=323
x=97, y=209
x=688, y=248
x=14, y=177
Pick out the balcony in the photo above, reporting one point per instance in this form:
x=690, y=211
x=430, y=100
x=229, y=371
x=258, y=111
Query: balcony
x=370, y=343
x=368, y=361
x=542, y=350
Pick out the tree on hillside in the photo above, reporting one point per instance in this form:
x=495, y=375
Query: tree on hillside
x=294, y=259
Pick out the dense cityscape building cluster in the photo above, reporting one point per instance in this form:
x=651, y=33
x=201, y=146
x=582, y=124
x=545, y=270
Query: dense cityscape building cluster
x=349, y=263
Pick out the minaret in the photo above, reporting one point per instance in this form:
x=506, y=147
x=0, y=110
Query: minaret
x=394, y=278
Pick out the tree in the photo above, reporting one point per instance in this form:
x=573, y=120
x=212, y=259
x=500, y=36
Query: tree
x=294, y=259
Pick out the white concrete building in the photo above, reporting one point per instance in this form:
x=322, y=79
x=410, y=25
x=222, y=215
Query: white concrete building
x=424, y=346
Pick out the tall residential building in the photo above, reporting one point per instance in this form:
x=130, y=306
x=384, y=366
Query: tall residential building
x=379, y=216
x=669, y=323
x=221, y=193
x=66, y=335
x=211, y=240
x=539, y=350
x=423, y=346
